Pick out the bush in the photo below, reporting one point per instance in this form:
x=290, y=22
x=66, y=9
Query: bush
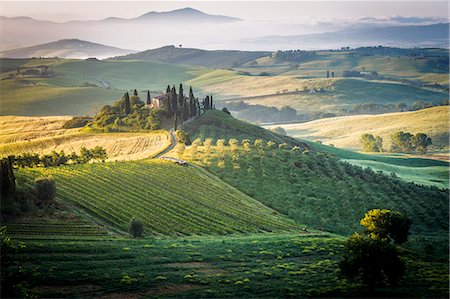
x=136, y=228
x=76, y=122
x=183, y=137
x=45, y=189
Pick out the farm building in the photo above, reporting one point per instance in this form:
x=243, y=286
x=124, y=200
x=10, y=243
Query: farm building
x=158, y=102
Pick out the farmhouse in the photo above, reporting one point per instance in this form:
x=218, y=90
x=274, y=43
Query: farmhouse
x=158, y=102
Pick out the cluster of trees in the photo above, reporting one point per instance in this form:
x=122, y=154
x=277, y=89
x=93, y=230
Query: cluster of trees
x=401, y=142
x=294, y=55
x=13, y=200
x=128, y=112
x=86, y=155
x=404, y=142
x=372, y=254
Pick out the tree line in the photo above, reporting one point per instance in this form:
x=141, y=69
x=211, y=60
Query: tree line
x=86, y=155
x=401, y=142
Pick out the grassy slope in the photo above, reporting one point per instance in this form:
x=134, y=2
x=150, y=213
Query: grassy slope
x=326, y=193
x=63, y=94
x=418, y=170
x=168, y=198
x=269, y=266
x=42, y=135
x=344, y=132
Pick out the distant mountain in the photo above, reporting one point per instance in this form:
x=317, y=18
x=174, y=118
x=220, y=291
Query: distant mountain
x=436, y=35
x=65, y=48
x=185, y=15
x=188, y=56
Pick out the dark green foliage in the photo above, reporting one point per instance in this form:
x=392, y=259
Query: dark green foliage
x=76, y=122
x=149, y=99
x=225, y=110
x=294, y=55
x=127, y=105
x=375, y=259
x=45, y=190
x=420, y=142
x=135, y=93
x=7, y=178
x=371, y=143
x=136, y=228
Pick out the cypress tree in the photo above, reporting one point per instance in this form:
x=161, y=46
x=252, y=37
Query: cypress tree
x=191, y=102
x=211, y=106
x=174, y=100
x=127, y=107
x=135, y=92
x=175, y=120
x=168, y=89
x=149, y=101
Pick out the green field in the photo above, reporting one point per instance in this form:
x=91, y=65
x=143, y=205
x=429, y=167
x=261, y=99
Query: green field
x=167, y=198
x=64, y=94
x=269, y=266
x=421, y=171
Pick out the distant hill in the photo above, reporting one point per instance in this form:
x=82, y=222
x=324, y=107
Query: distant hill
x=65, y=48
x=198, y=57
x=345, y=131
x=435, y=35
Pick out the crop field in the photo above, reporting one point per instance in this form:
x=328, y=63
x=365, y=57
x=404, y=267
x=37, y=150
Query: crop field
x=42, y=228
x=169, y=199
x=345, y=131
x=269, y=265
x=42, y=135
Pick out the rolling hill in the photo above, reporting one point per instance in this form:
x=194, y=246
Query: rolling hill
x=310, y=95
x=65, y=48
x=79, y=87
x=344, y=132
x=197, y=57
x=169, y=199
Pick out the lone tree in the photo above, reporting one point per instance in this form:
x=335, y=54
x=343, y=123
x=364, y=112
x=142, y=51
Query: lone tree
x=45, y=189
x=135, y=93
x=136, y=228
x=149, y=99
x=371, y=254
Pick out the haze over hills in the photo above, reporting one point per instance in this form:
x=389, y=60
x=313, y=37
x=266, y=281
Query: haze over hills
x=435, y=35
x=65, y=48
x=198, y=57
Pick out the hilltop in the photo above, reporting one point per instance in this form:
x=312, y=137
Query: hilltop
x=197, y=57
x=65, y=48
x=345, y=131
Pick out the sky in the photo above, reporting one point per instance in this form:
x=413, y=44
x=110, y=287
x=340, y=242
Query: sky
x=286, y=11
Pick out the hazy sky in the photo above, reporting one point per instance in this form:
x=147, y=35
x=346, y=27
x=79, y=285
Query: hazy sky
x=62, y=11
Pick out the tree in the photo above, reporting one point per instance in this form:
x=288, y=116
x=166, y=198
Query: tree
x=182, y=137
x=45, y=190
x=135, y=93
x=99, y=153
x=149, y=99
x=374, y=258
x=225, y=110
x=85, y=155
x=420, y=142
x=192, y=106
x=136, y=228
x=401, y=142
x=127, y=107
x=387, y=224
x=7, y=178
x=371, y=143
x=371, y=254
